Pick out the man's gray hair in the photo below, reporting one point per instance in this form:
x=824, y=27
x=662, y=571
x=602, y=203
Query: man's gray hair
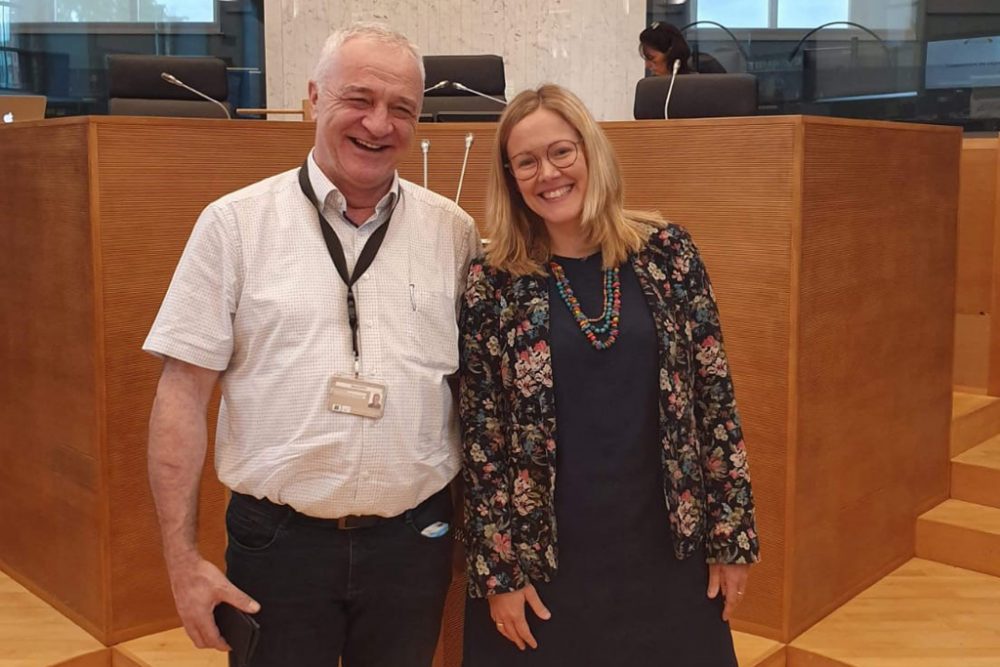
x=378, y=32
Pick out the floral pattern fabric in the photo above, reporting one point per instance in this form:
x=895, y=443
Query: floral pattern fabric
x=507, y=410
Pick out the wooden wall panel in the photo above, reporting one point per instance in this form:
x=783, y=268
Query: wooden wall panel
x=750, y=190
x=50, y=517
x=150, y=199
x=876, y=325
x=972, y=352
x=977, y=212
x=740, y=212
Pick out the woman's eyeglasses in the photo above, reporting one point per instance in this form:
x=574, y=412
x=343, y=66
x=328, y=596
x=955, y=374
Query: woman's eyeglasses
x=560, y=154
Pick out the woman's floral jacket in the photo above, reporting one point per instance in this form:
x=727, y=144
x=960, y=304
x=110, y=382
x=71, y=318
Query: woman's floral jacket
x=507, y=409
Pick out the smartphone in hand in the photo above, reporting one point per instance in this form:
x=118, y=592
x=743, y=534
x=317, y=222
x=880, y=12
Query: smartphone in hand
x=240, y=630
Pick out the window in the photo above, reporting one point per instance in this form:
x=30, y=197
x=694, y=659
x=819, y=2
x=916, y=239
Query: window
x=115, y=11
x=789, y=14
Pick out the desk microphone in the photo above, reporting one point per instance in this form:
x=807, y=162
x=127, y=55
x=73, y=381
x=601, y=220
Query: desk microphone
x=670, y=90
x=469, y=138
x=459, y=86
x=173, y=80
x=436, y=86
x=425, y=147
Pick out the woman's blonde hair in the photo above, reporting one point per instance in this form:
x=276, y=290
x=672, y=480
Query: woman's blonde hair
x=518, y=241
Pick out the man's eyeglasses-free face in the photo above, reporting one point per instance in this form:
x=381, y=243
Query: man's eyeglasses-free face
x=560, y=154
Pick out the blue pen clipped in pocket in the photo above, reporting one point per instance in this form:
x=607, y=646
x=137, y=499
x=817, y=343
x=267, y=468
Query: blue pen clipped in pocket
x=436, y=529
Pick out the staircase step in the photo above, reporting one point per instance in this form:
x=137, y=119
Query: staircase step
x=974, y=418
x=962, y=534
x=975, y=474
x=924, y=614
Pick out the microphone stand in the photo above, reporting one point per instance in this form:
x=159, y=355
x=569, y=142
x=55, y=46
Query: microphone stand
x=436, y=86
x=465, y=161
x=173, y=80
x=459, y=86
x=425, y=147
x=670, y=90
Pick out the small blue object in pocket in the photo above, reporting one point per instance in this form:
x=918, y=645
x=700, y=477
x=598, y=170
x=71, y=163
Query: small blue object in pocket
x=436, y=529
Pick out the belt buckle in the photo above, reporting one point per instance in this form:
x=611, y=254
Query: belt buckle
x=345, y=523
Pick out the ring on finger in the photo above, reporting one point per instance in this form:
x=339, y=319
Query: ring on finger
x=499, y=625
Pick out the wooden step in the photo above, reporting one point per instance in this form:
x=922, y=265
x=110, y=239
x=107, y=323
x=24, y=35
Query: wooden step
x=924, y=614
x=962, y=534
x=974, y=418
x=33, y=634
x=166, y=649
x=975, y=474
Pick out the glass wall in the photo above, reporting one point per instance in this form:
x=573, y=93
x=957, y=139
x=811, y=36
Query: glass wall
x=934, y=61
x=59, y=48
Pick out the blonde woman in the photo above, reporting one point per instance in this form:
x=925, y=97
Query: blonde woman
x=608, y=509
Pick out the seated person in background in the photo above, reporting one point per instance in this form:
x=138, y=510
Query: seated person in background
x=661, y=44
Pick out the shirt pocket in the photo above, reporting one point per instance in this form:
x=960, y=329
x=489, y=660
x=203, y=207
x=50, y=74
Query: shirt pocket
x=432, y=324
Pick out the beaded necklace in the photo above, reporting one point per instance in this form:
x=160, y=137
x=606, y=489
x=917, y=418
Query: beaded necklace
x=602, y=332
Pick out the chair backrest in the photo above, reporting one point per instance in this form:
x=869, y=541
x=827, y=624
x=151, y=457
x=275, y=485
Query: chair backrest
x=16, y=108
x=483, y=73
x=136, y=89
x=697, y=96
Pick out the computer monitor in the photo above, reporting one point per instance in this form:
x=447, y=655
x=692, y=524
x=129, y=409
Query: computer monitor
x=16, y=108
x=963, y=63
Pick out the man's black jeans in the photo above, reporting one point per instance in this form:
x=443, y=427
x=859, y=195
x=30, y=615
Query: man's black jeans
x=371, y=597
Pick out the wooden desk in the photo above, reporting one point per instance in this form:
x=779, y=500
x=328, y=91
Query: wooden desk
x=831, y=244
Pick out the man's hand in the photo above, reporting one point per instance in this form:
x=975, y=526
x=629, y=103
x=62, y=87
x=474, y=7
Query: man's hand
x=507, y=611
x=198, y=586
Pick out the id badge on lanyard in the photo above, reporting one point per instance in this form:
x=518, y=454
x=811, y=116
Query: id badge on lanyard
x=349, y=393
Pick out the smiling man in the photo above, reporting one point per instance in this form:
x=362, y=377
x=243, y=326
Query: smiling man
x=303, y=296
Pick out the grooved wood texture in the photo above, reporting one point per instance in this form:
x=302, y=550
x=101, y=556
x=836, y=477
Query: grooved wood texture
x=876, y=306
x=786, y=250
x=50, y=459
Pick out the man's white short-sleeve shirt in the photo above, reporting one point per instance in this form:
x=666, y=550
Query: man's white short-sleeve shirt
x=256, y=296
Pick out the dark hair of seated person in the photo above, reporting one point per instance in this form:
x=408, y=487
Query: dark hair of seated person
x=660, y=45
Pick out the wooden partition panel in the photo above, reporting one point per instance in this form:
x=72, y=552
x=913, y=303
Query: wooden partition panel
x=977, y=214
x=51, y=475
x=874, y=353
x=149, y=200
x=779, y=215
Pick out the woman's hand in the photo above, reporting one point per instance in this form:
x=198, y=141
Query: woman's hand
x=731, y=580
x=507, y=611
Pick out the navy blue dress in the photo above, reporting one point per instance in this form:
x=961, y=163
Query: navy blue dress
x=620, y=596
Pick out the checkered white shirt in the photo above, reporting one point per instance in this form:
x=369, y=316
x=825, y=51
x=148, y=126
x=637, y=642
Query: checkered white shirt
x=256, y=295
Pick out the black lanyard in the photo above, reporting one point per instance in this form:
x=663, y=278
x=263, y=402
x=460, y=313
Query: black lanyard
x=337, y=254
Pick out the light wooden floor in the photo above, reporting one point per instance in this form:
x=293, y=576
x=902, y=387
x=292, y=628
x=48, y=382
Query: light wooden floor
x=33, y=634
x=925, y=614
x=173, y=649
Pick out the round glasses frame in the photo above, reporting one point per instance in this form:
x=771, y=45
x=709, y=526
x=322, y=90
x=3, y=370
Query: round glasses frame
x=564, y=161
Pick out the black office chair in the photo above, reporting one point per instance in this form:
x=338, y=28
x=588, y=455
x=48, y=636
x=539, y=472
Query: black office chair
x=697, y=96
x=137, y=89
x=481, y=73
